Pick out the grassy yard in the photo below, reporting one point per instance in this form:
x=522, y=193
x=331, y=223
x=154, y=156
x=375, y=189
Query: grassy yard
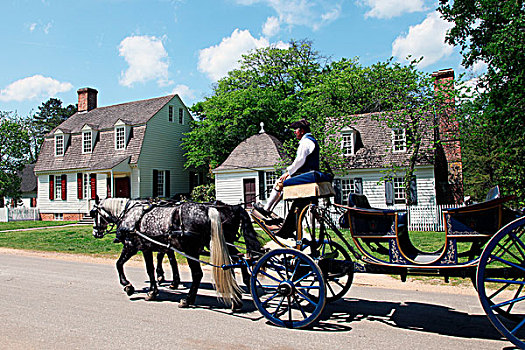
x=69, y=239
x=14, y=225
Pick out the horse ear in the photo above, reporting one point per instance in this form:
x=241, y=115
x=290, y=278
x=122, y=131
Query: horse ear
x=97, y=199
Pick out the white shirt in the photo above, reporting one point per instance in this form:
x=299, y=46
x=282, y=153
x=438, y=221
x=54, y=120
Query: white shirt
x=306, y=147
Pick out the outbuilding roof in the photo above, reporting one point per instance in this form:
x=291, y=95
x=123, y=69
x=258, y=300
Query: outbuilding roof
x=258, y=151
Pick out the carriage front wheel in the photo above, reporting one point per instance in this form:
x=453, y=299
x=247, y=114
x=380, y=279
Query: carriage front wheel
x=501, y=281
x=288, y=288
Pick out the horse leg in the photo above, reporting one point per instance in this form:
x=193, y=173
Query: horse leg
x=160, y=270
x=150, y=268
x=196, y=277
x=174, y=270
x=125, y=255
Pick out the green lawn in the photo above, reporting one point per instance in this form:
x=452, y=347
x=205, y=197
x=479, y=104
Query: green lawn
x=13, y=225
x=70, y=239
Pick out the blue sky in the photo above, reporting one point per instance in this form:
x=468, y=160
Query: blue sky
x=137, y=49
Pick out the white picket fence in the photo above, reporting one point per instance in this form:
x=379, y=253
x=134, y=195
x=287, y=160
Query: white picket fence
x=427, y=218
x=19, y=214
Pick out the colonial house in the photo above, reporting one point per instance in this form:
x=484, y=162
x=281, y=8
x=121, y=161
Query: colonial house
x=369, y=148
x=130, y=150
x=248, y=174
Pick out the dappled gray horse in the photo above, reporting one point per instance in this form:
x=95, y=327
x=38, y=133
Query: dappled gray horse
x=188, y=227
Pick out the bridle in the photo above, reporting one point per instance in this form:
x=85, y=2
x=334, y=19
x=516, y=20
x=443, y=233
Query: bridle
x=102, y=215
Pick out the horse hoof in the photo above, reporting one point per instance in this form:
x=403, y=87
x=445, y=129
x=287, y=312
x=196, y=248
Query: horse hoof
x=161, y=279
x=129, y=289
x=151, y=296
x=236, y=306
x=183, y=304
x=173, y=286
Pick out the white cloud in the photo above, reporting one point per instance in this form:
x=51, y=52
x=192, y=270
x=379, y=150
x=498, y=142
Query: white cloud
x=32, y=27
x=216, y=61
x=479, y=67
x=426, y=39
x=33, y=87
x=147, y=60
x=184, y=91
x=271, y=27
x=308, y=13
x=391, y=8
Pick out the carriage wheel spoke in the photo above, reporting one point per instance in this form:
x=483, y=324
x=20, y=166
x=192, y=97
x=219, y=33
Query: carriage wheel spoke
x=300, y=307
x=511, y=301
x=518, y=326
x=508, y=262
x=305, y=297
x=278, y=307
x=310, y=273
x=518, y=240
x=275, y=265
x=270, y=276
x=518, y=292
x=501, y=289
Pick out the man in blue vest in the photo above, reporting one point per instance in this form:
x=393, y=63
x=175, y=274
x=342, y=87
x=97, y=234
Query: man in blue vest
x=307, y=159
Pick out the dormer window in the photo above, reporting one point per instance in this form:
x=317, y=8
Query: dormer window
x=399, y=140
x=120, y=137
x=59, y=145
x=87, y=142
x=348, y=141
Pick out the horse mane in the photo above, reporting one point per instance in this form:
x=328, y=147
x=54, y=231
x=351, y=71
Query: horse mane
x=114, y=205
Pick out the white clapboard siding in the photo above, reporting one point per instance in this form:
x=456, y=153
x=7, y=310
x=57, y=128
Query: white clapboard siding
x=161, y=150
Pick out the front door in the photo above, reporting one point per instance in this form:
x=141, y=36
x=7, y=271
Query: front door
x=122, y=187
x=249, y=192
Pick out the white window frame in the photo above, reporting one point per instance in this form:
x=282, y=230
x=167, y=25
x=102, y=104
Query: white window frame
x=59, y=146
x=120, y=137
x=181, y=116
x=270, y=178
x=399, y=140
x=87, y=142
x=347, y=187
x=87, y=186
x=161, y=176
x=58, y=187
x=170, y=114
x=348, y=142
x=398, y=184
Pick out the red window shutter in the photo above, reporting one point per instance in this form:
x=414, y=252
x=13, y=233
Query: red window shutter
x=80, y=186
x=93, y=183
x=51, y=187
x=63, y=182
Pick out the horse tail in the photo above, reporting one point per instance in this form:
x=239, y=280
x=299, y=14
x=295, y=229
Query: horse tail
x=251, y=238
x=225, y=283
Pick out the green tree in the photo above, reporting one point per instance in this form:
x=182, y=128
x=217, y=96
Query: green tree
x=14, y=148
x=50, y=114
x=493, y=32
x=266, y=88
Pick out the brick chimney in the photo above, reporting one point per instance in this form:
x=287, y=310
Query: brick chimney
x=87, y=99
x=448, y=165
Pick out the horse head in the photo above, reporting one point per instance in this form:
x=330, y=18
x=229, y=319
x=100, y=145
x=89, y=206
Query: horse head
x=103, y=216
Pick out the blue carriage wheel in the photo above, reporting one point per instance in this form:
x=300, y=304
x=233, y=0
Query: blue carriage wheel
x=288, y=289
x=333, y=259
x=501, y=281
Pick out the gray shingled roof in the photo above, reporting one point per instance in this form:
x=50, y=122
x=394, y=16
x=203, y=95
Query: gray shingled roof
x=104, y=155
x=374, y=142
x=258, y=151
x=136, y=112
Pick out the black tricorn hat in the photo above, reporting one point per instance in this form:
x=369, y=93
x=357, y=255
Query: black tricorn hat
x=303, y=123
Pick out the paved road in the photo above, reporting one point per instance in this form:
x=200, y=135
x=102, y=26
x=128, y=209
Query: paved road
x=56, y=304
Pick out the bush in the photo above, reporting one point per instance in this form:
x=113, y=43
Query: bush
x=203, y=193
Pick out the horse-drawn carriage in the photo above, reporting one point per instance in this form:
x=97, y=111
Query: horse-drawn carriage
x=290, y=285
x=484, y=242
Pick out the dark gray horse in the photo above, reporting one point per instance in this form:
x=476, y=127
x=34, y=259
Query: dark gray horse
x=188, y=227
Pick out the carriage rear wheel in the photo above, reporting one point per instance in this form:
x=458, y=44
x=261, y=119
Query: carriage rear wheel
x=288, y=288
x=333, y=259
x=501, y=281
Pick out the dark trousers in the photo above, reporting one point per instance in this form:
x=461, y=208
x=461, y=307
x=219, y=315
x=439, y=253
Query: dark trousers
x=290, y=222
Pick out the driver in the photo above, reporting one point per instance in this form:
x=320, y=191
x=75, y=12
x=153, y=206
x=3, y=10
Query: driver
x=307, y=159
